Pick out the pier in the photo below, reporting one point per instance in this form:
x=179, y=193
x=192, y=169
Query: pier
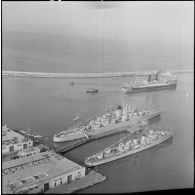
x=90, y=179
x=75, y=143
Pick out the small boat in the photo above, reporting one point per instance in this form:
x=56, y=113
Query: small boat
x=92, y=91
x=36, y=135
x=23, y=132
x=130, y=144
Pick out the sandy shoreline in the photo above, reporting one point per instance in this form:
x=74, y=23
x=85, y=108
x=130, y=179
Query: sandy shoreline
x=83, y=75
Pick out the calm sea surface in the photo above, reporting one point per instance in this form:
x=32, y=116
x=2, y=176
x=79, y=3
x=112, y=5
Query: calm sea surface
x=49, y=105
x=46, y=52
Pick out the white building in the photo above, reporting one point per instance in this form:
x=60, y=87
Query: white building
x=12, y=141
x=29, y=151
x=38, y=173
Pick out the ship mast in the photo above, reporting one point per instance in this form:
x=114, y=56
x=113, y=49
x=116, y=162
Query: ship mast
x=124, y=103
x=137, y=79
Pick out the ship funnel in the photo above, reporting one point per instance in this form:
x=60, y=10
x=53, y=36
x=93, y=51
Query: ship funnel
x=156, y=76
x=149, y=78
x=119, y=107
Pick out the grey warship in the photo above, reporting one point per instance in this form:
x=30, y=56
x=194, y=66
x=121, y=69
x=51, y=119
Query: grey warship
x=131, y=144
x=109, y=123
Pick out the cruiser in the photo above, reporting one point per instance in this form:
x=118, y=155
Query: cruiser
x=130, y=144
x=158, y=83
x=109, y=123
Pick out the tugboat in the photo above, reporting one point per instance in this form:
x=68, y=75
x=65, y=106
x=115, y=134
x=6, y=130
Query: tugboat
x=36, y=135
x=109, y=123
x=161, y=81
x=92, y=90
x=130, y=144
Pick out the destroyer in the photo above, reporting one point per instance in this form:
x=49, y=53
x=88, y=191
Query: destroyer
x=130, y=144
x=109, y=123
x=162, y=81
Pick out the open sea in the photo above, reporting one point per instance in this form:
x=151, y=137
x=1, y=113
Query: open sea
x=48, y=105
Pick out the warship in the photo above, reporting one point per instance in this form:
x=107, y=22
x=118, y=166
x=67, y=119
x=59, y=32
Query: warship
x=131, y=144
x=111, y=122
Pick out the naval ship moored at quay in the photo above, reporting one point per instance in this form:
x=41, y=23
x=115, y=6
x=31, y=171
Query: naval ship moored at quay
x=111, y=122
x=161, y=81
x=131, y=144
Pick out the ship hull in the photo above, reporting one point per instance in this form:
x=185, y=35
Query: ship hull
x=110, y=129
x=95, y=91
x=148, y=88
x=110, y=159
x=68, y=138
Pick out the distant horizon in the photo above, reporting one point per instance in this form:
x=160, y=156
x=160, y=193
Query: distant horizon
x=127, y=20
x=97, y=37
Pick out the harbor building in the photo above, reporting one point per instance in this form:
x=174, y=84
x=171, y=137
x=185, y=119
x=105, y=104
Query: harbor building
x=29, y=151
x=39, y=173
x=13, y=141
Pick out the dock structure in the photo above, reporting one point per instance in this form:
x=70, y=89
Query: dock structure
x=29, y=151
x=75, y=143
x=39, y=173
x=13, y=141
x=90, y=179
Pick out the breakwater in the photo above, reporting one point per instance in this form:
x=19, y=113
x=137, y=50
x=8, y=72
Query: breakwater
x=84, y=75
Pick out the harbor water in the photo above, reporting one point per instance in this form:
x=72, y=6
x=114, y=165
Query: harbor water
x=48, y=105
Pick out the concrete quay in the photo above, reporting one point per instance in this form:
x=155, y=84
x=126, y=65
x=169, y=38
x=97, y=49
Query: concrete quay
x=90, y=179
